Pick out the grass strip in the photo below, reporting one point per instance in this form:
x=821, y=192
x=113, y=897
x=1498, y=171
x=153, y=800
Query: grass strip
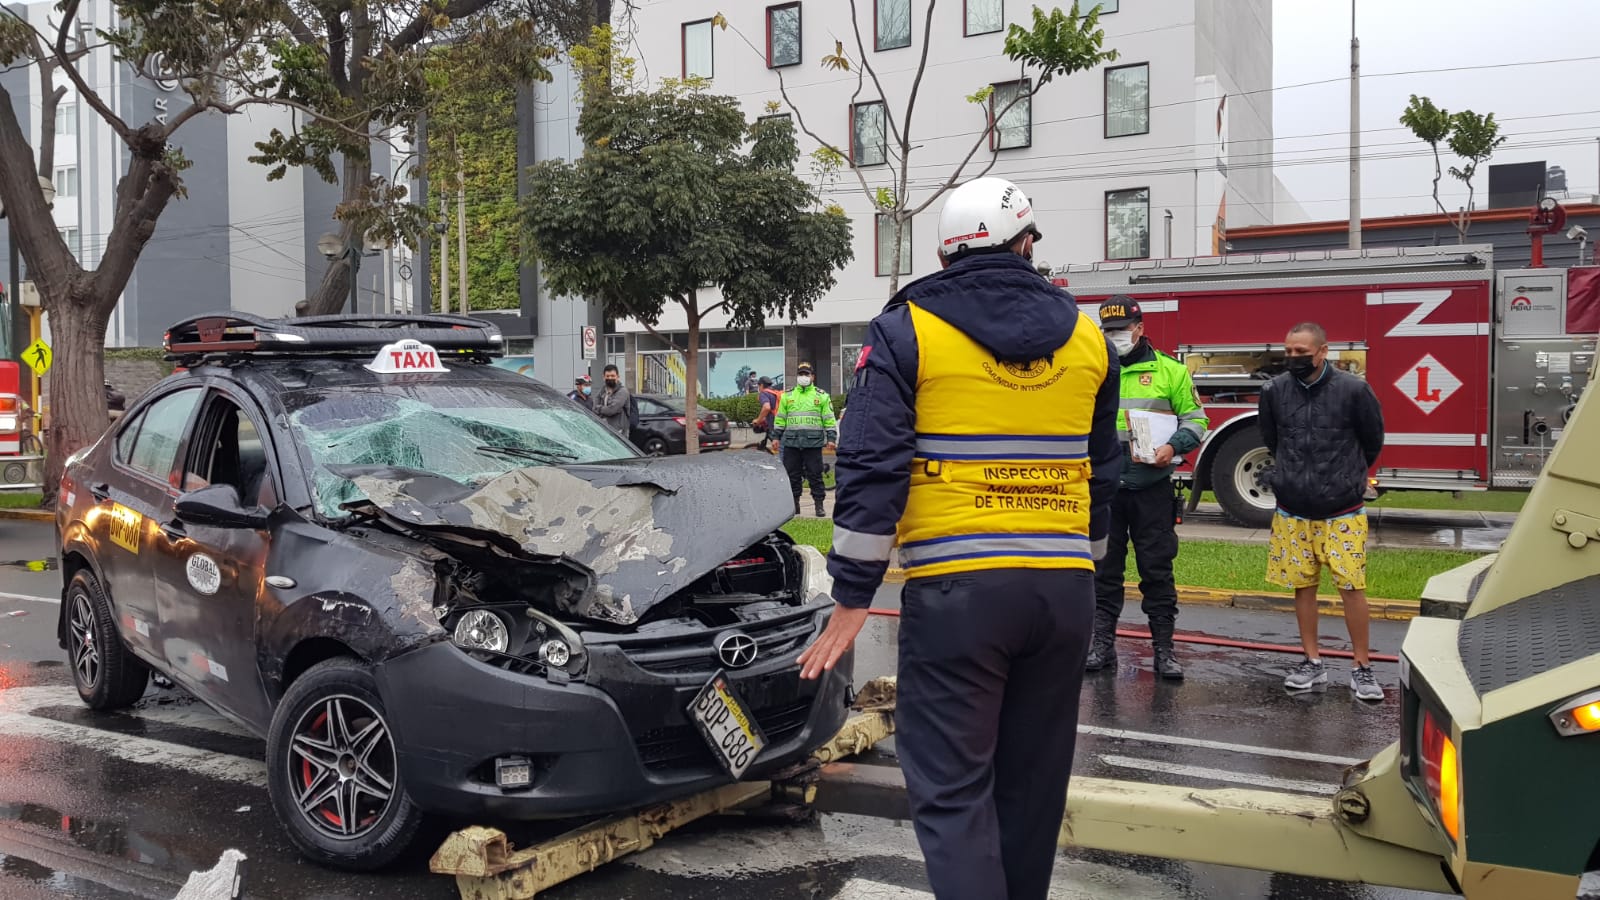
x=1481, y=501
x=20, y=500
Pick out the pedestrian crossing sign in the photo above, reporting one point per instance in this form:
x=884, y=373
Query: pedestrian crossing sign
x=38, y=357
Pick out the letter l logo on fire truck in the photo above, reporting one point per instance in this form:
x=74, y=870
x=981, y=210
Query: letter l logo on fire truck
x=1428, y=384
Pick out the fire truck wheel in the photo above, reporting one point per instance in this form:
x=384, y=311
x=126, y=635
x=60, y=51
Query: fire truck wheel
x=1239, y=479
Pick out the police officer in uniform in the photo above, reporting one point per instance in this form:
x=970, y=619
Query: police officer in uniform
x=981, y=440
x=1145, y=508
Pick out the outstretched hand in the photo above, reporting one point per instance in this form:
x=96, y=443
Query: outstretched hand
x=836, y=639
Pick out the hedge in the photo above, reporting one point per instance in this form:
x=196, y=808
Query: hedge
x=743, y=409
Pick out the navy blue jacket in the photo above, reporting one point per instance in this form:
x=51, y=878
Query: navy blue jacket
x=1003, y=303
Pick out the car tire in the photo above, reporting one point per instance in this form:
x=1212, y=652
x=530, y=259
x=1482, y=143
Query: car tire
x=321, y=739
x=106, y=673
x=655, y=447
x=1242, y=463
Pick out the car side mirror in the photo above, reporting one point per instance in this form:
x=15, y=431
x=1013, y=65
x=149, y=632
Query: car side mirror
x=218, y=506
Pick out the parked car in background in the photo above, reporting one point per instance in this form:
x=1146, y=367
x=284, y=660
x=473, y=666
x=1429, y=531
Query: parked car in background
x=660, y=431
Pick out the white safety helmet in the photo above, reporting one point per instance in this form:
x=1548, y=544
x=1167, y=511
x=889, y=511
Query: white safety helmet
x=983, y=214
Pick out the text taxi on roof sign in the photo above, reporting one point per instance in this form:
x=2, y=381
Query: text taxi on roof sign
x=405, y=357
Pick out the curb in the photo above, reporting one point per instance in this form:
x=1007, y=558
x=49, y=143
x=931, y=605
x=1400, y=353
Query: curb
x=28, y=515
x=1396, y=610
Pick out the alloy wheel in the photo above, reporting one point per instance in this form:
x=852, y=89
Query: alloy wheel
x=342, y=764
x=85, y=655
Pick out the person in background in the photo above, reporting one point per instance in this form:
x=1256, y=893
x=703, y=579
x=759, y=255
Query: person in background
x=581, y=389
x=803, y=426
x=1325, y=430
x=984, y=443
x=1145, y=509
x=612, y=403
x=769, y=408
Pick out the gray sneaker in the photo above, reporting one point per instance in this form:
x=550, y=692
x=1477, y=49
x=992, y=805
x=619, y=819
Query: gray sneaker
x=1365, y=684
x=1305, y=675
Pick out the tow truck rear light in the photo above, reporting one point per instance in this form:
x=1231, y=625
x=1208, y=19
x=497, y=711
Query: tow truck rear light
x=1580, y=715
x=1441, y=772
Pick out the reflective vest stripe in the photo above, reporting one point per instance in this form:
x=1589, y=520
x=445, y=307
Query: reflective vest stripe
x=977, y=546
x=1002, y=446
x=861, y=545
x=1158, y=404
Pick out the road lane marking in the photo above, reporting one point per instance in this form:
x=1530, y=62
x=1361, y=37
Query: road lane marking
x=29, y=598
x=1206, y=773
x=16, y=720
x=1199, y=743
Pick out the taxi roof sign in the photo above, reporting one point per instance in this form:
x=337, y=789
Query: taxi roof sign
x=405, y=358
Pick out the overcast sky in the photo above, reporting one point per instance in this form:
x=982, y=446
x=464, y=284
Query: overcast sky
x=1549, y=111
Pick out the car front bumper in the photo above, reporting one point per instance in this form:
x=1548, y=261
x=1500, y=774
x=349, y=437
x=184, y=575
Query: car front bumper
x=619, y=740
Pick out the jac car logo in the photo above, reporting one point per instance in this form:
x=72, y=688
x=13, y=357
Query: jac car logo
x=736, y=650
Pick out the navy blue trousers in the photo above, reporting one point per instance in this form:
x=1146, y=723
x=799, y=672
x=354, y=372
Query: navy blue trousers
x=987, y=720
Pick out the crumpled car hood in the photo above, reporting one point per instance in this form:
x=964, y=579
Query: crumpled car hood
x=646, y=528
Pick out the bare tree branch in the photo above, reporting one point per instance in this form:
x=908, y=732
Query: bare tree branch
x=983, y=138
x=419, y=27
x=64, y=58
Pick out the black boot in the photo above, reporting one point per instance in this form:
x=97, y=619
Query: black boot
x=1166, y=663
x=1103, y=647
x=797, y=504
x=822, y=512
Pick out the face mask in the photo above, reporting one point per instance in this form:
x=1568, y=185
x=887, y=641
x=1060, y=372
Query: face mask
x=1300, y=366
x=611, y=382
x=1123, y=342
x=586, y=390
x=803, y=381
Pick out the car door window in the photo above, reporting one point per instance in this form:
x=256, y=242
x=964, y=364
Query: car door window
x=125, y=439
x=233, y=453
x=155, y=449
x=648, y=407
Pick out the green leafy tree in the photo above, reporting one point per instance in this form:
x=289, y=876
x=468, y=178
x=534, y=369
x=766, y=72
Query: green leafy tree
x=1431, y=125
x=1474, y=139
x=1054, y=46
x=472, y=144
x=1470, y=136
x=679, y=200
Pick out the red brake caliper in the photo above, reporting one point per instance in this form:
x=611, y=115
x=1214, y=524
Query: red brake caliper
x=306, y=776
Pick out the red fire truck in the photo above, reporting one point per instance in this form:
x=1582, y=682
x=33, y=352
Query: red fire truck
x=21, y=458
x=1477, y=370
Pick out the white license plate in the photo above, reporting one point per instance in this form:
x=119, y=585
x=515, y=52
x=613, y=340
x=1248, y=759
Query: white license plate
x=728, y=728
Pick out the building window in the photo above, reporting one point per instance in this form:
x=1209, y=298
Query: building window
x=985, y=16
x=67, y=119
x=1014, y=107
x=885, y=253
x=1108, y=6
x=869, y=142
x=1128, y=224
x=66, y=182
x=70, y=237
x=697, y=61
x=892, y=23
x=1128, y=100
x=783, y=35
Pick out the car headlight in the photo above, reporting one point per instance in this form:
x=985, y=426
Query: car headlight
x=817, y=579
x=557, y=645
x=480, y=629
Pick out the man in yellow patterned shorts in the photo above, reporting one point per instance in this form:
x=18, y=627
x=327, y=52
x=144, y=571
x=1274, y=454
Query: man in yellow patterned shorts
x=1325, y=431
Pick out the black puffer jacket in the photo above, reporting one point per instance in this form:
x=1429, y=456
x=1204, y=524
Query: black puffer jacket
x=1325, y=437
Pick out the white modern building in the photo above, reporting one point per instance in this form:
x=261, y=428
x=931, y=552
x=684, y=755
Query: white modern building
x=234, y=241
x=1155, y=154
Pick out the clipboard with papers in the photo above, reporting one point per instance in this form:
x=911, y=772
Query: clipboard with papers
x=1148, y=431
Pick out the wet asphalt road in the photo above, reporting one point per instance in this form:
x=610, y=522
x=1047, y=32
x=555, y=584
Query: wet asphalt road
x=126, y=805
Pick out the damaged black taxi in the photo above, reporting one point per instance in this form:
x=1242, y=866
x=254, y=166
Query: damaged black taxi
x=435, y=586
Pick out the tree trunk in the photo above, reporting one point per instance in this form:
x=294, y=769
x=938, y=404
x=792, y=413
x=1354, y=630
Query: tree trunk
x=894, y=264
x=691, y=384
x=78, y=414
x=1438, y=173
x=333, y=294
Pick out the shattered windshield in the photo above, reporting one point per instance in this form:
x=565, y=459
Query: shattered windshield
x=469, y=433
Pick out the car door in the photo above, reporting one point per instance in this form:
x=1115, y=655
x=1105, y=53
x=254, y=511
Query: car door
x=209, y=579
x=131, y=491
